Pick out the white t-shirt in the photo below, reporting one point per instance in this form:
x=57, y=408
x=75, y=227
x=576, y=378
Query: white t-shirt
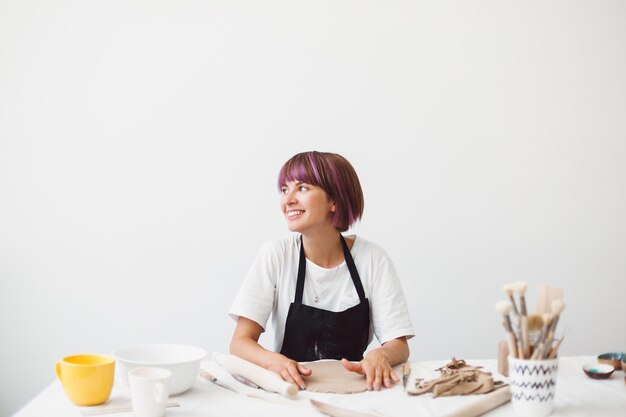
x=270, y=287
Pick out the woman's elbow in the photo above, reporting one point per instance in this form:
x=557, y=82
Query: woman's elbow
x=236, y=345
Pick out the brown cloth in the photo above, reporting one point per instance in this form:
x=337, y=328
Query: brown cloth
x=457, y=378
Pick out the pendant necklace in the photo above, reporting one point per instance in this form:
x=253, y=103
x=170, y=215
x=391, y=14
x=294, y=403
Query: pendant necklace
x=317, y=297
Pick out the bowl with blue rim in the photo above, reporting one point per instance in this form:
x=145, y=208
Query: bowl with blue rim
x=615, y=359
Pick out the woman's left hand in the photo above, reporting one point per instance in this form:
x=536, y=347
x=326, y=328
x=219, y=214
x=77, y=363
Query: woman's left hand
x=376, y=368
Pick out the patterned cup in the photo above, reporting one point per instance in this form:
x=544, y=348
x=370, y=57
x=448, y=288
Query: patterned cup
x=533, y=385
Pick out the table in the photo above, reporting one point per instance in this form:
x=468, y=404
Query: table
x=576, y=395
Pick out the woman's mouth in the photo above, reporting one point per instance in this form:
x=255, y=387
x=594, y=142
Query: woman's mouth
x=293, y=214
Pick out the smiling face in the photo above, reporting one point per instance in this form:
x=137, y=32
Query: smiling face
x=305, y=206
x=336, y=178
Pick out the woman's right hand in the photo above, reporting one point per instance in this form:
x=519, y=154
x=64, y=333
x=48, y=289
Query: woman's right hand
x=245, y=345
x=288, y=369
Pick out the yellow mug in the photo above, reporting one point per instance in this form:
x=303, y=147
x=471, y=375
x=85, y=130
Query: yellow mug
x=86, y=379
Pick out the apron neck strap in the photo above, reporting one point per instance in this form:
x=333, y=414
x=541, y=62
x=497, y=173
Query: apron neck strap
x=354, y=274
x=352, y=268
x=301, y=273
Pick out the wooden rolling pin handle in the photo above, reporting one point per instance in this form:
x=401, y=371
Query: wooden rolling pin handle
x=264, y=378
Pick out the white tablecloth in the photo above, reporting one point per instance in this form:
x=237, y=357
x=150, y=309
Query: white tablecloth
x=576, y=395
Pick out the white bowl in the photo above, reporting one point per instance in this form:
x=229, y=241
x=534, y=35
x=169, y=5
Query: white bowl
x=182, y=360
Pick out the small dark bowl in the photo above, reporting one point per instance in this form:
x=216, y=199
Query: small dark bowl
x=613, y=358
x=598, y=371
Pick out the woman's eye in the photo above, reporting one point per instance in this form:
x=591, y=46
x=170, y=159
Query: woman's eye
x=283, y=190
x=304, y=188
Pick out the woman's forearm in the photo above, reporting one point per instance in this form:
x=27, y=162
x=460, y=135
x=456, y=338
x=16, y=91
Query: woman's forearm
x=396, y=351
x=249, y=349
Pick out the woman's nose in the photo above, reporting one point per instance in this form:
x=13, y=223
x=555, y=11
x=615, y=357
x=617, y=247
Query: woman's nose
x=290, y=198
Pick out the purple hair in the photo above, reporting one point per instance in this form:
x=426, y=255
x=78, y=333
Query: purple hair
x=335, y=175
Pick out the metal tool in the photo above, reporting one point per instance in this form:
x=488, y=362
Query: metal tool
x=406, y=371
x=245, y=381
x=206, y=375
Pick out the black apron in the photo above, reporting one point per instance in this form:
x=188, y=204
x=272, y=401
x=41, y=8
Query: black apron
x=312, y=333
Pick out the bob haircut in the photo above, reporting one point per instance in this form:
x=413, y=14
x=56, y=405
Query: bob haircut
x=335, y=175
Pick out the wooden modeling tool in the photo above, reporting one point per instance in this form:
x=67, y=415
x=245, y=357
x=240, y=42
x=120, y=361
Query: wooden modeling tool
x=333, y=410
x=545, y=297
x=504, y=307
x=104, y=411
x=503, y=362
x=520, y=289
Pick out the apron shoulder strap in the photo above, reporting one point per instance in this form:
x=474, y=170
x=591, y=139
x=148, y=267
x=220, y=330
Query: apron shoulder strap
x=354, y=274
x=301, y=271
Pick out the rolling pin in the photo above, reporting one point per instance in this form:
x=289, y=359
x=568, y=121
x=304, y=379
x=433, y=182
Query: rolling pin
x=265, y=379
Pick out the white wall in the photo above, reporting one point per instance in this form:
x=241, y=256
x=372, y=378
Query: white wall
x=140, y=141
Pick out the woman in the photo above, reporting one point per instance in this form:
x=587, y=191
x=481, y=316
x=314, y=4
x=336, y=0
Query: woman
x=328, y=294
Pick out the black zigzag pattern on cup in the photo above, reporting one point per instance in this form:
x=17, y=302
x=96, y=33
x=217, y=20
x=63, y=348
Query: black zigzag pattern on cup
x=535, y=385
x=534, y=369
x=534, y=397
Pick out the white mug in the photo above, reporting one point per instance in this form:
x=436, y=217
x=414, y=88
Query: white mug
x=533, y=386
x=149, y=391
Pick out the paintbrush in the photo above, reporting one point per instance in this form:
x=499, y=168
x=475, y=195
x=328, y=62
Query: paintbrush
x=557, y=308
x=547, y=320
x=504, y=307
x=520, y=289
x=508, y=290
x=535, y=325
